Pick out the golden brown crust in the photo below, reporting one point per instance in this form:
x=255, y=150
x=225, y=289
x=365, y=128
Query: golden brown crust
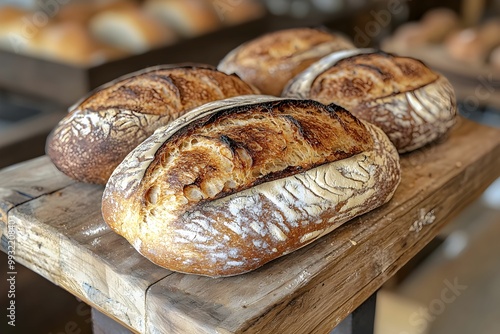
x=259, y=143
x=410, y=102
x=270, y=61
x=103, y=128
x=247, y=182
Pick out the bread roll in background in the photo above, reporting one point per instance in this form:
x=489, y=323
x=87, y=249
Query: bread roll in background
x=72, y=43
x=9, y=13
x=68, y=42
x=412, y=104
x=131, y=29
x=101, y=129
x=495, y=58
x=270, y=61
x=439, y=23
x=236, y=183
x=76, y=12
x=13, y=34
x=188, y=17
x=406, y=36
x=433, y=28
x=82, y=11
x=239, y=12
x=473, y=45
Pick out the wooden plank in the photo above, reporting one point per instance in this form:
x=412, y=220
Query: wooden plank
x=63, y=237
x=23, y=182
x=327, y=280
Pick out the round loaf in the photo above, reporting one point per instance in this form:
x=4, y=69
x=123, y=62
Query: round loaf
x=236, y=183
x=412, y=104
x=105, y=126
x=270, y=61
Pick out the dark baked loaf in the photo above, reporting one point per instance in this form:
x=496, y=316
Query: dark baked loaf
x=104, y=127
x=411, y=103
x=270, y=61
x=236, y=183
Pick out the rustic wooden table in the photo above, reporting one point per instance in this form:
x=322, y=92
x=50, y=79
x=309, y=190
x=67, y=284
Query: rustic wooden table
x=57, y=229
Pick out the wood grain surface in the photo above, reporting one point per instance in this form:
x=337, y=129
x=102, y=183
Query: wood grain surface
x=60, y=234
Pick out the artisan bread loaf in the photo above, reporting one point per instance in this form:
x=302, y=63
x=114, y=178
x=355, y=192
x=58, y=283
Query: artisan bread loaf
x=402, y=96
x=105, y=126
x=236, y=183
x=270, y=61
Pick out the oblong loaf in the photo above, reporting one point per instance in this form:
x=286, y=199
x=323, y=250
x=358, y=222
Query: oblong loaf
x=247, y=180
x=101, y=129
x=411, y=103
x=270, y=61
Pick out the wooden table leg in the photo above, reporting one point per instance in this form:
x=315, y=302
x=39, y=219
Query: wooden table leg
x=361, y=321
x=102, y=324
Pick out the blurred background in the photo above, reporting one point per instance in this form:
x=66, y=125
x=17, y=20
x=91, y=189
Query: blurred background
x=54, y=51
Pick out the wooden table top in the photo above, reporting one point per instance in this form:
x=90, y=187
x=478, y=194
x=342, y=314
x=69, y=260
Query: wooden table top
x=60, y=234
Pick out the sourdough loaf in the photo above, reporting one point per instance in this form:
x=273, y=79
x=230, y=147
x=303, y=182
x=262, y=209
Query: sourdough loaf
x=234, y=184
x=104, y=127
x=402, y=96
x=269, y=61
